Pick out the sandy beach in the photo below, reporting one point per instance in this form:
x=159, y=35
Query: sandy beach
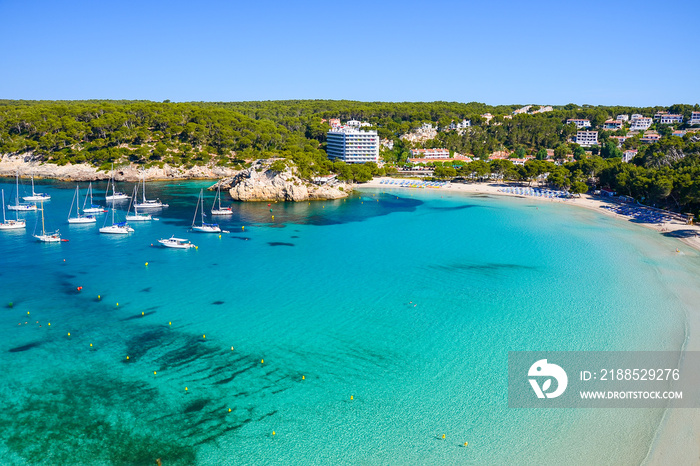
x=688, y=234
x=677, y=439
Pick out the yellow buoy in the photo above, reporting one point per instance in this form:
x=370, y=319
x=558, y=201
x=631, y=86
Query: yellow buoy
x=466, y=443
x=273, y=432
x=154, y=372
x=273, y=217
x=49, y=324
x=142, y=313
x=99, y=297
x=352, y=397
x=196, y=247
x=303, y=377
x=229, y=410
x=262, y=361
x=443, y=435
x=232, y=348
x=186, y=389
x=90, y=345
x=204, y=336
x=127, y=358
x=117, y=304
x=219, y=236
x=146, y=264
x=170, y=323
x=68, y=333
x=243, y=228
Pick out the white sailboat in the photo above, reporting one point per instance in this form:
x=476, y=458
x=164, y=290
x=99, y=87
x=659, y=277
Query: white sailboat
x=220, y=210
x=36, y=196
x=94, y=208
x=24, y=207
x=148, y=203
x=116, y=195
x=54, y=237
x=176, y=243
x=203, y=227
x=137, y=217
x=121, y=228
x=10, y=224
x=80, y=219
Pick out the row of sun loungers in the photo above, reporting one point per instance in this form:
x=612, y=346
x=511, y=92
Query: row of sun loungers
x=414, y=183
x=536, y=192
x=643, y=215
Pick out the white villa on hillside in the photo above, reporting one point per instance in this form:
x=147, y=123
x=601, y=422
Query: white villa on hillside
x=670, y=119
x=587, y=138
x=641, y=124
x=612, y=125
x=628, y=155
x=579, y=122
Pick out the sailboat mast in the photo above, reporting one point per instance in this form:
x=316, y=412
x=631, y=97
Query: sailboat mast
x=3, y=206
x=73, y=202
x=17, y=197
x=43, y=230
x=194, y=219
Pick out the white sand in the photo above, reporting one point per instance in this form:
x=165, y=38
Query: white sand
x=689, y=234
x=677, y=438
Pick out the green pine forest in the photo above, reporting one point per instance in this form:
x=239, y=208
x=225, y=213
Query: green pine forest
x=232, y=134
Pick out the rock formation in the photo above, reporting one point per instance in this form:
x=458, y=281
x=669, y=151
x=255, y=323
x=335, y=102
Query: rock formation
x=260, y=183
x=9, y=165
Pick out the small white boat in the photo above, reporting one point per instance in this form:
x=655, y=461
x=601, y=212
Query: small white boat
x=116, y=195
x=148, y=203
x=121, y=228
x=10, y=224
x=203, y=227
x=117, y=229
x=44, y=237
x=80, y=219
x=137, y=217
x=36, y=196
x=20, y=207
x=176, y=243
x=93, y=209
x=220, y=210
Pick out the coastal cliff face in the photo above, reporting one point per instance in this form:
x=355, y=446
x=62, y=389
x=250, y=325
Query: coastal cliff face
x=9, y=165
x=260, y=183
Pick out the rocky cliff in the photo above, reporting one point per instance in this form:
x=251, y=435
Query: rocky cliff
x=260, y=183
x=9, y=165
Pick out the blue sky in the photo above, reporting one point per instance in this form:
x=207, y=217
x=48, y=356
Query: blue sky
x=602, y=53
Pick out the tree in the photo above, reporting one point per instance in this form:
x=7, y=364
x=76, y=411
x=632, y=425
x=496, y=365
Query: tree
x=579, y=187
x=610, y=150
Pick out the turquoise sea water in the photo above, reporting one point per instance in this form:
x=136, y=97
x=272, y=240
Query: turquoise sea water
x=384, y=321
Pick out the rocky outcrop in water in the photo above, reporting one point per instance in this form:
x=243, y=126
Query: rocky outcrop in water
x=260, y=183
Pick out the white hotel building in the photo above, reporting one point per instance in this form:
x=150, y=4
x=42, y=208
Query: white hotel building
x=352, y=145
